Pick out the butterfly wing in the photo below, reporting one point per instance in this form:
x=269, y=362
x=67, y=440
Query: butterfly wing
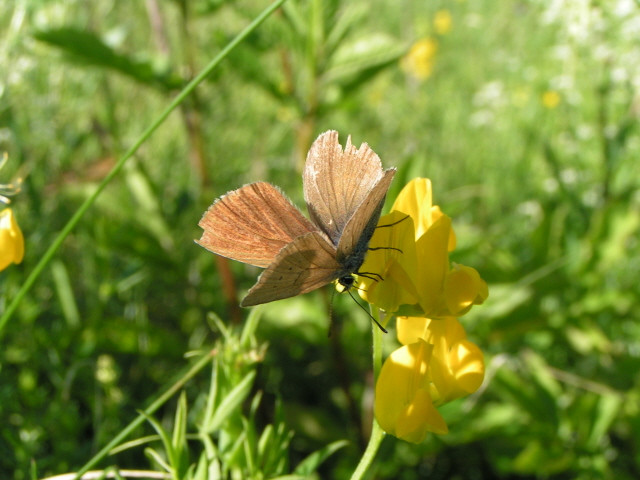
x=252, y=224
x=355, y=237
x=307, y=263
x=336, y=181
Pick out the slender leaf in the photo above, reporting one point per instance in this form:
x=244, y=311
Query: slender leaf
x=88, y=48
x=313, y=461
x=65, y=294
x=226, y=407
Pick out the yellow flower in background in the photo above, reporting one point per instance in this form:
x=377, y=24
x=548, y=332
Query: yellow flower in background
x=410, y=251
x=436, y=365
x=442, y=22
x=11, y=240
x=419, y=61
x=550, y=99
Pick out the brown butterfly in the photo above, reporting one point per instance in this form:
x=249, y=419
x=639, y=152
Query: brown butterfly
x=258, y=225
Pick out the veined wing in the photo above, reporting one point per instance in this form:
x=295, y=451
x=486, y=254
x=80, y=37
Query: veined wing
x=252, y=224
x=337, y=181
x=305, y=264
x=355, y=237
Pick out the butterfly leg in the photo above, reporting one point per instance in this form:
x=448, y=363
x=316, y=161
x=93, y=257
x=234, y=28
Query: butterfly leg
x=394, y=223
x=371, y=276
x=385, y=248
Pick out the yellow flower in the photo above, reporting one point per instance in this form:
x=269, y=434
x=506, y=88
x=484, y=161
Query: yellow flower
x=419, y=61
x=11, y=240
x=403, y=405
x=436, y=365
x=442, y=22
x=457, y=365
x=410, y=252
x=550, y=99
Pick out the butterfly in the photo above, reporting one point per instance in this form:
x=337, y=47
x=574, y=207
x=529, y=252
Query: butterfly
x=256, y=224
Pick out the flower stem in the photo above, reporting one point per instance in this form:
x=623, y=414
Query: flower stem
x=377, y=434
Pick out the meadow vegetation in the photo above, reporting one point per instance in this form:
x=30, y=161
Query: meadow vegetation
x=524, y=115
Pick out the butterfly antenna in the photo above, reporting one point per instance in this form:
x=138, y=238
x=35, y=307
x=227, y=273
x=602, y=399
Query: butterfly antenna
x=368, y=313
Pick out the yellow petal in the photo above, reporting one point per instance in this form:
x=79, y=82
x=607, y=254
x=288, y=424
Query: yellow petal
x=419, y=418
x=415, y=199
x=412, y=329
x=436, y=213
x=11, y=240
x=433, y=258
x=403, y=406
x=467, y=362
x=457, y=365
x=463, y=288
x=388, y=273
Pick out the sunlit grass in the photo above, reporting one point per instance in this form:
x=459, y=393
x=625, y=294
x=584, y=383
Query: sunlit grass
x=526, y=123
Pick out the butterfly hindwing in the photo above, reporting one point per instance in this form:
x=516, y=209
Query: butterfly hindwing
x=307, y=263
x=252, y=224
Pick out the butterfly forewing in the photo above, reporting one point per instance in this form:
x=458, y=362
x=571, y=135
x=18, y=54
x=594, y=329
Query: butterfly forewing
x=336, y=182
x=355, y=237
x=252, y=224
x=307, y=263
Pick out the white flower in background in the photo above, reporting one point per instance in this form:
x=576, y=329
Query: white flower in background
x=624, y=8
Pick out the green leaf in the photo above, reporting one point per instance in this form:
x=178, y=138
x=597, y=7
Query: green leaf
x=65, y=293
x=148, y=212
x=156, y=457
x=264, y=444
x=180, y=422
x=235, y=397
x=201, y=472
x=352, y=15
x=313, y=461
x=374, y=50
x=216, y=322
x=134, y=443
x=606, y=412
x=212, y=397
x=247, y=337
x=296, y=19
x=249, y=446
x=179, y=440
x=88, y=48
x=166, y=441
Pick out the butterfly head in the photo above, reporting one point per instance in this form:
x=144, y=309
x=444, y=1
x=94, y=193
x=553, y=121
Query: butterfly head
x=346, y=282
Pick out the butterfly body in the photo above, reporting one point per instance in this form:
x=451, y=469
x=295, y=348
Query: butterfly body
x=256, y=224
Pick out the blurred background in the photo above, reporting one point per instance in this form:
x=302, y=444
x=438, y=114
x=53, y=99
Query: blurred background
x=523, y=113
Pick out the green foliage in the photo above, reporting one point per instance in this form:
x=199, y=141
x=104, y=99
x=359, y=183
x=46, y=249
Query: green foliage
x=543, y=199
x=88, y=49
x=230, y=444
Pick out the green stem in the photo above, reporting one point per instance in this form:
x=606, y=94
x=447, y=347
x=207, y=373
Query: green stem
x=53, y=248
x=377, y=434
x=140, y=419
